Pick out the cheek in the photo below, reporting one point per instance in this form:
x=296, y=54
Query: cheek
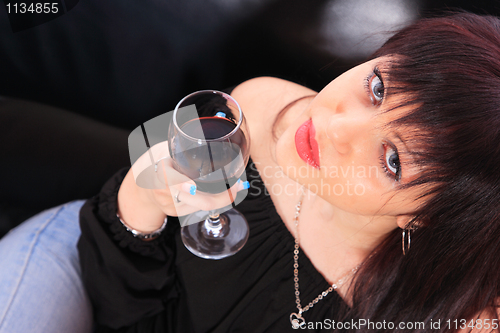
x=353, y=183
x=357, y=198
x=352, y=194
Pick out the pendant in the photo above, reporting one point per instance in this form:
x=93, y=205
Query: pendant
x=297, y=321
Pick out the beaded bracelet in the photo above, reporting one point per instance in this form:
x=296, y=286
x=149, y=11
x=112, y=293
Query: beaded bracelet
x=142, y=235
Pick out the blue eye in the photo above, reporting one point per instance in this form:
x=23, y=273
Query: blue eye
x=391, y=162
x=375, y=87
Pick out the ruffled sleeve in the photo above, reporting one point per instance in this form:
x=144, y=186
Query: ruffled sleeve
x=127, y=279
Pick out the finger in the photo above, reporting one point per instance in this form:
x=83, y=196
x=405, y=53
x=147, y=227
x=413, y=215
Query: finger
x=168, y=176
x=170, y=202
x=206, y=201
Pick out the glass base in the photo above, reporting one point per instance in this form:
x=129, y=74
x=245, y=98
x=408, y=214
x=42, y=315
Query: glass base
x=209, y=241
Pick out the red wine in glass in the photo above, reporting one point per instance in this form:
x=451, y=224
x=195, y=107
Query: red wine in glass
x=216, y=165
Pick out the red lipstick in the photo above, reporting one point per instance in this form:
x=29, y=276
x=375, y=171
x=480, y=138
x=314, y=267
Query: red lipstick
x=306, y=145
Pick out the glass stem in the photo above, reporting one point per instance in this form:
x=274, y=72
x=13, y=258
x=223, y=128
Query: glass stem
x=216, y=225
x=214, y=219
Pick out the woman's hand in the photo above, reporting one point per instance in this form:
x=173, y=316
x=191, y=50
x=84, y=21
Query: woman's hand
x=153, y=188
x=180, y=196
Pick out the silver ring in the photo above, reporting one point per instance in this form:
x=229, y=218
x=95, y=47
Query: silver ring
x=176, y=197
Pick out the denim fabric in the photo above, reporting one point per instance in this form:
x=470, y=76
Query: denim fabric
x=40, y=284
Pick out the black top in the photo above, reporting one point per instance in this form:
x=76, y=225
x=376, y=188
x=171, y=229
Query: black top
x=159, y=286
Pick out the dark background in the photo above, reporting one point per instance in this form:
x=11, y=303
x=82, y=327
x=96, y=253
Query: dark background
x=122, y=62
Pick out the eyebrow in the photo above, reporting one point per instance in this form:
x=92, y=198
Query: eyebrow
x=401, y=139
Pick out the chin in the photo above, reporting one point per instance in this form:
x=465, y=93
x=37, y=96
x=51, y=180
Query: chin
x=289, y=161
x=285, y=153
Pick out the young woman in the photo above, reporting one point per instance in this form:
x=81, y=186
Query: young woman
x=372, y=206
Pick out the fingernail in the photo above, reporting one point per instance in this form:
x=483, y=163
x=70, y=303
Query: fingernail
x=239, y=180
x=191, y=189
x=220, y=114
x=246, y=185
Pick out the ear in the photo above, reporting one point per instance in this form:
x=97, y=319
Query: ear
x=403, y=220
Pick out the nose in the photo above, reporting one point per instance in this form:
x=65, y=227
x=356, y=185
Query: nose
x=345, y=129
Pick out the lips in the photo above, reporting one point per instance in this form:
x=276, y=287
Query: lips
x=306, y=145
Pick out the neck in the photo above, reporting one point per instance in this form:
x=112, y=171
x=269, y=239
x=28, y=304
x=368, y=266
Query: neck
x=336, y=240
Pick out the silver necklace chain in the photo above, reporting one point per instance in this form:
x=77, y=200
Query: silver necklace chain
x=296, y=319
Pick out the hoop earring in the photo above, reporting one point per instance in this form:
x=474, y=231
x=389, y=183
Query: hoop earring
x=406, y=238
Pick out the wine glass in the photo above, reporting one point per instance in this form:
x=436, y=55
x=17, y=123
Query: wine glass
x=209, y=142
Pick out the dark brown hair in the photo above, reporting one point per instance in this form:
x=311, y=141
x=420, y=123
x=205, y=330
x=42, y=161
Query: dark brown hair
x=449, y=70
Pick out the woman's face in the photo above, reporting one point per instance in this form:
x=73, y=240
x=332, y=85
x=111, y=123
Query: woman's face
x=340, y=148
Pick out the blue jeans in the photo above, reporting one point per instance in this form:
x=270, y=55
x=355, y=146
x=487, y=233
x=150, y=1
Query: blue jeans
x=40, y=284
